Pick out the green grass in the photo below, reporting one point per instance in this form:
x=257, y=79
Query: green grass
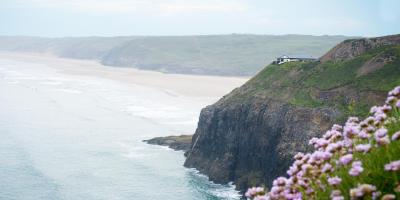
x=304, y=99
x=301, y=83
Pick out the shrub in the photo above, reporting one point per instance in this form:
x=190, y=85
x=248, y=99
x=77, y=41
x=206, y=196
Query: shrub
x=360, y=160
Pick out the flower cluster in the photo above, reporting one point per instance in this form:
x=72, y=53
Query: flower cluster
x=341, y=155
x=256, y=193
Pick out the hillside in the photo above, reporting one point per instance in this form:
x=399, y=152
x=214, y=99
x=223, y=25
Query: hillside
x=250, y=135
x=229, y=55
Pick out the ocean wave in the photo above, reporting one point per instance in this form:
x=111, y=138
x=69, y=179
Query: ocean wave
x=221, y=191
x=71, y=91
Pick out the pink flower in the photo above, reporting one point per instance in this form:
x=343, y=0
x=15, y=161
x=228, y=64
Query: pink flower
x=334, y=181
x=363, y=135
x=386, y=108
x=346, y=159
x=389, y=197
x=382, y=132
x=321, y=155
x=373, y=109
x=393, y=166
x=369, y=120
x=396, y=136
x=370, y=129
x=380, y=117
x=391, y=99
x=254, y=191
x=365, y=148
x=263, y=197
x=292, y=170
x=337, y=127
x=395, y=91
x=356, y=169
x=347, y=142
x=308, y=170
x=332, y=134
x=383, y=141
x=362, y=190
x=326, y=168
x=299, y=156
x=280, y=181
x=319, y=142
x=351, y=130
x=352, y=120
x=336, y=195
x=332, y=147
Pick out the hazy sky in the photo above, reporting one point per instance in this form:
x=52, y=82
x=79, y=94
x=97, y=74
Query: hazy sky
x=57, y=18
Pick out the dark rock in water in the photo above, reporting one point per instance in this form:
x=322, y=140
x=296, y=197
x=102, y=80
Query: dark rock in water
x=179, y=143
x=251, y=135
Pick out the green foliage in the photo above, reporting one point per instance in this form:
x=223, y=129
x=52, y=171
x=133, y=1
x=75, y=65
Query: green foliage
x=330, y=75
x=360, y=160
x=304, y=99
x=331, y=84
x=373, y=164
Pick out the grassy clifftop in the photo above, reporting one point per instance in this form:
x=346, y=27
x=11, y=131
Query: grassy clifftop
x=251, y=135
x=333, y=83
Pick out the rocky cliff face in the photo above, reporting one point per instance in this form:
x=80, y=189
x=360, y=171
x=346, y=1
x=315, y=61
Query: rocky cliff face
x=251, y=134
x=254, y=141
x=355, y=47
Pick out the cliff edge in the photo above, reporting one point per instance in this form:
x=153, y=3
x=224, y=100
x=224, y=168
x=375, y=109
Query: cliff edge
x=250, y=135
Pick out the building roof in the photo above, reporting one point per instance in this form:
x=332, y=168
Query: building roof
x=297, y=56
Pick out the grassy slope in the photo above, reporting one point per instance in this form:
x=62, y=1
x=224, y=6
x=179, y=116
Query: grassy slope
x=296, y=82
x=219, y=54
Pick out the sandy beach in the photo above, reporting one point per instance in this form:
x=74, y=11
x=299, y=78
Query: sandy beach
x=187, y=85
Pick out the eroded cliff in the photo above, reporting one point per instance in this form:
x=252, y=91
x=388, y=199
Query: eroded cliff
x=251, y=134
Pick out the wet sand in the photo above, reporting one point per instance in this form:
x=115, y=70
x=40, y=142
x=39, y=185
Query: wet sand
x=187, y=85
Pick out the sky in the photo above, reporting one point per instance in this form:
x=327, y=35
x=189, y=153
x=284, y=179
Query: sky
x=61, y=18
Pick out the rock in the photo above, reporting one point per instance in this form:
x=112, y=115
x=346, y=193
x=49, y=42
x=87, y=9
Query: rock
x=355, y=47
x=179, y=143
x=253, y=142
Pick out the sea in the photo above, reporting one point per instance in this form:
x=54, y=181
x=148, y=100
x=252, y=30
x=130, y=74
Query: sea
x=72, y=137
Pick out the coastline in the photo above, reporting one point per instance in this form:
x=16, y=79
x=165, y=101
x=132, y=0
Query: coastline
x=108, y=114
x=174, y=84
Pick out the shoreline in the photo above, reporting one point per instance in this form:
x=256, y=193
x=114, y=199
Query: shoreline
x=196, y=91
x=179, y=84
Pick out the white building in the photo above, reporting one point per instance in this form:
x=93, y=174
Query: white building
x=285, y=59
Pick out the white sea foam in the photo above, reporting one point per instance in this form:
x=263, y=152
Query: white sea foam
x=13, y=82
x=222, y=191
x=79, y=137
x=71, y=91
x=51, y=82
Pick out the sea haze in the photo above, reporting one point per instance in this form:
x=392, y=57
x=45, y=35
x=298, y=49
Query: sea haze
x=65, y=136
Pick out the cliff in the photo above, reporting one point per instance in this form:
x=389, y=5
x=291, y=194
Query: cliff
x=250, y=135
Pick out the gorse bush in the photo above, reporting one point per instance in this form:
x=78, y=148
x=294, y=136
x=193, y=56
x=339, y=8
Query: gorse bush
x=360, y=160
